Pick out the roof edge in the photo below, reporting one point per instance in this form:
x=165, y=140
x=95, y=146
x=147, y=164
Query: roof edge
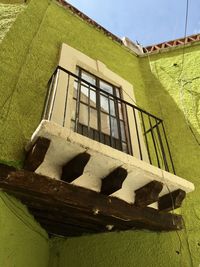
x=130, y=45
x=89, y=20
x=172, y=43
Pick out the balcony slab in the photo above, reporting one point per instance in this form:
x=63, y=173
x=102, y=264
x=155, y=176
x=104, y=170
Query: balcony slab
x=66, y=144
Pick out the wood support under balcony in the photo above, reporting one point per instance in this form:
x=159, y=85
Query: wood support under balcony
x=148, y=194
x=113, y=182
x=172, y=200
x=68, y=210
x=75, y=167
x=36, y=154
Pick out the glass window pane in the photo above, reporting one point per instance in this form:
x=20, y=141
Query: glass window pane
x=83, y=114
x=122, y=131
x=88, y=77
x=104, y=103
x=87, y=92
x=124, y=148
x=106, y=87
x=93, y=119
x=106, y=139
x=84, y=93
x=114, y=127
x=99, y=108
x=112, y=108
x=92, y=98
x=117, y=92
x=105, y=124
x=120, y=110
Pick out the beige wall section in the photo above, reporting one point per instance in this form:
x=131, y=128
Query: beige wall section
x=70, y=58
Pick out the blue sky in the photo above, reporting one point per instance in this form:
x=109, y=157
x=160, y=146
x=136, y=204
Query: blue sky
x=147, y=21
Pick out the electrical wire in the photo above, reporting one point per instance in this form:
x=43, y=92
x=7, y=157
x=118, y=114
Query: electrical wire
x=179, y=80
x=169, y=191
x=185, y=112
x=181, y=71
x=183, y=83
x=185, y=35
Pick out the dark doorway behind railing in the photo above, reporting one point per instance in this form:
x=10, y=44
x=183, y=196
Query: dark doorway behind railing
x=143, y=135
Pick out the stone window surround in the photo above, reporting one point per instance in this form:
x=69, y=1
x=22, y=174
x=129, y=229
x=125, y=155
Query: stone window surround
x=69, y=59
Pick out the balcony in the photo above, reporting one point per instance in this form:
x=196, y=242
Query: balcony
x=107, y=119
x=97, y=163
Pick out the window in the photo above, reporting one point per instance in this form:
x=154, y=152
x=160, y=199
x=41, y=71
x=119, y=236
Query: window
x=93, y=108
x=99, y=114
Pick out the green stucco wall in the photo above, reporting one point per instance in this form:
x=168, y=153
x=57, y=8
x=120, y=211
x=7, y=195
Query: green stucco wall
x=29, y=53
x=13, y=1
x=174, y=95
x=23, y=243
x=8, y=14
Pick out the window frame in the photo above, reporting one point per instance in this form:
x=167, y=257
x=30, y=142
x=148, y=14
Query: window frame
x=117, y=142
x=63, y=103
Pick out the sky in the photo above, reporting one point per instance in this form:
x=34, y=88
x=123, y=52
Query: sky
x=146, y=21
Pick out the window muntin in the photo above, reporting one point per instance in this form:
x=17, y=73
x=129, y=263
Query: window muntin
x=98, y=115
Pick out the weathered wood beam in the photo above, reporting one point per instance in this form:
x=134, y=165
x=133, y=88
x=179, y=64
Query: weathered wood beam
x=75, y=167
x=148, y=194
x=113, y=181
x=171, y=200
x=83, y=206
x=55, y=211
x=36, y=154
x=86, y=226
x=5, y=170
x=63, y=229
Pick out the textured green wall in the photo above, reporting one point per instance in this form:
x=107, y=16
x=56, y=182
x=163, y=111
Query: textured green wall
x=29, y=54
x=23, y=242
x=174, y=94
x=8, y=14
x=13, y=1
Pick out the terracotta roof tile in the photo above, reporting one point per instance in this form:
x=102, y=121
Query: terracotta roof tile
x=173, y=43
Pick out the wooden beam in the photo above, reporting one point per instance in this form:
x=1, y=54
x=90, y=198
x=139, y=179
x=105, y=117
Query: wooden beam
x=73, y=205
x=62, y=229
x=5, y=170
x=75, y=167
x=37, y=154
x=172, y=200
x=69, y=224
x=148, y=194
x=113, y=181
x=85, y=219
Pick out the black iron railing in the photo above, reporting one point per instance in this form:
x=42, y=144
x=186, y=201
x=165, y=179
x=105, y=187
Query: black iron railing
x=108, y=119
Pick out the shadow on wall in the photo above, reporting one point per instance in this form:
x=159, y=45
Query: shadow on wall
x=174, y=99
x=172, y=93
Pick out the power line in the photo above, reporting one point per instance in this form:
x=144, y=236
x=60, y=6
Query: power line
x=180, y=81
x=185, y=35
